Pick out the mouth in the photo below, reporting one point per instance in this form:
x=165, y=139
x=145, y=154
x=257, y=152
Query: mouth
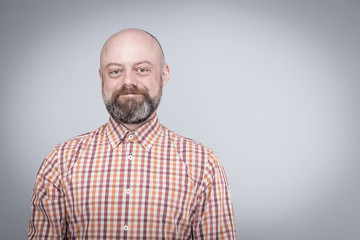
x=130, y=94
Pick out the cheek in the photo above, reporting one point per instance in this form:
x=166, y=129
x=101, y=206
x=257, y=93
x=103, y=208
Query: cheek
x=152, y=89
x=153, y=86
x=110, y=86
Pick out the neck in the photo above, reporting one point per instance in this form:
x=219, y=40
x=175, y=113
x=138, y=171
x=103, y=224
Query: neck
x=134, y=127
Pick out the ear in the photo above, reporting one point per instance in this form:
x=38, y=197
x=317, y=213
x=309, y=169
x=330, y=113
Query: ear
x=100, y=74
x=165, y=74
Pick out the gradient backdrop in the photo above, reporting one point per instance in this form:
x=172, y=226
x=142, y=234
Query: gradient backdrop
x=271, y=86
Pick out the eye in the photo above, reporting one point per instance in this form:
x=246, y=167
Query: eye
x=142, y=70
x=114, y=72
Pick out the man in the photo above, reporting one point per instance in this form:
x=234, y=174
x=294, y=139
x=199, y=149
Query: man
x=131, y=178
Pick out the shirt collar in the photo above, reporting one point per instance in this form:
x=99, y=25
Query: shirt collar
x=147, y=134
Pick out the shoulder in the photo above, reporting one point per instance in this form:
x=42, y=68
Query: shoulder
x=188, y=145
x=200, y=159
x=81, y=140
x=66, y=152
x=63, y=156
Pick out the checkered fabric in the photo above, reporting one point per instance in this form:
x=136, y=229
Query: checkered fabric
x=116, y=184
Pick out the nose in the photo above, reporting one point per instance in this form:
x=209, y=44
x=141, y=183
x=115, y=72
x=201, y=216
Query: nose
x=130, y=78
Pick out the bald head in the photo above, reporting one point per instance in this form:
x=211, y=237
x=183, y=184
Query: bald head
x=131, y=41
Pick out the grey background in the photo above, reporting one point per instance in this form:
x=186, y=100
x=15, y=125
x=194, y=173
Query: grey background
x=271, y=86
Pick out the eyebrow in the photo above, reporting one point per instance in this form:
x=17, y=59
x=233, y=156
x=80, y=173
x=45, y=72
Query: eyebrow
x=137, y=63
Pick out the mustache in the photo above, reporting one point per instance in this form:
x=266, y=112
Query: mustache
x=130, y=89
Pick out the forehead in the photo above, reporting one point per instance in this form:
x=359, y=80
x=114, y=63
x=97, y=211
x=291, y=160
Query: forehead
x=130, y=48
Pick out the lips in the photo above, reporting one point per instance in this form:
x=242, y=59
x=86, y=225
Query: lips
x=131, y=94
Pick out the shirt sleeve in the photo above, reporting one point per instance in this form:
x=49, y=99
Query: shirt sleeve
x=47, y=217
x=214, y=218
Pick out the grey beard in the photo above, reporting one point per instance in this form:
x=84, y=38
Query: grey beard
x=132, y=112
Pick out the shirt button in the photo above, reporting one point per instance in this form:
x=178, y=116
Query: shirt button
x=130, y=157
x=126, y=228
x=128, y=191
x=131, y=136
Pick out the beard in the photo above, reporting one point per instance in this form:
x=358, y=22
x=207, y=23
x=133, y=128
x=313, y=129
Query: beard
x=131, y=110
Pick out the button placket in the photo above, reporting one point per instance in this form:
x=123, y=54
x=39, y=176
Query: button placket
x=128, y=157
x=129, y=144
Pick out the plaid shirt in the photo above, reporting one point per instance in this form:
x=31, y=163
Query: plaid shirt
x=116, y=184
